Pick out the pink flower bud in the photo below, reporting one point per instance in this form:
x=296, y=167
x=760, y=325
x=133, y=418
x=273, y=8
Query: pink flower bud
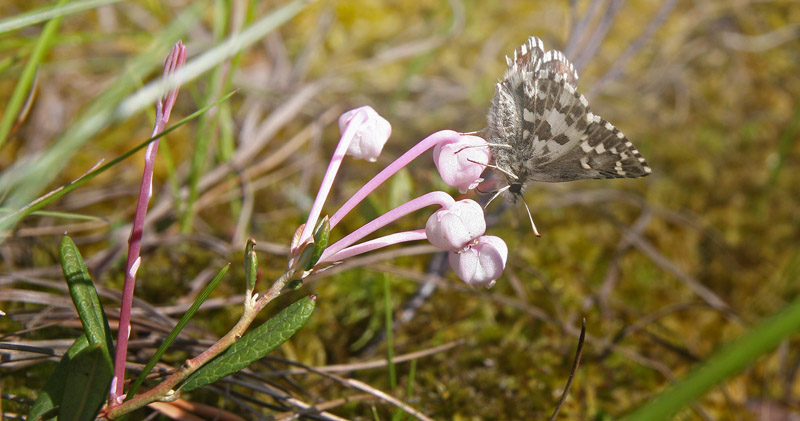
x=481, y=264
x=455, y=227
x=370, y=137
x=461, y=163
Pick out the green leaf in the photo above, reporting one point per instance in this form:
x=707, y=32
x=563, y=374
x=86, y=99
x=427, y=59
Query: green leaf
x=321, y=237
x=176, y=330
x=87, y=383
x=84, y=296
x=50, y=395
x=255, y=344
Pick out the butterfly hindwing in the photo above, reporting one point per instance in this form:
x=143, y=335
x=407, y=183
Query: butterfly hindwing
x=572, y=143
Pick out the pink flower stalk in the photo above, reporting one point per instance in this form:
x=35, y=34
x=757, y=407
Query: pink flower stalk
x=433, y=198
x=174, y=62
x=444, y=136
x=371, y=130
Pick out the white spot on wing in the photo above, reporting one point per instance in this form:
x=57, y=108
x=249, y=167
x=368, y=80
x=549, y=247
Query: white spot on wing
x=585, y=163
x=527, y=115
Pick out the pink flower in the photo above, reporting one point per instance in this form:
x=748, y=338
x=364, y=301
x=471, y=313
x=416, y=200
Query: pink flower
x=482, y=263
x=455, y=227
x=371, y=135
x=461, y=162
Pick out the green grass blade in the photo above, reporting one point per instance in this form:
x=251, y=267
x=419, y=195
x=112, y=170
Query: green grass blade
x=27, y=178
x=61, y=215
x=50, y=12
x=233, y=45
x=788, y=139
x=725, y=363
x=175, y=331
x=387, y=309
x=84, y=296
x=255, y=344
x=50, y=396
x=87, y=384
x=10, y=220
x=208, y=124
x=26, y=78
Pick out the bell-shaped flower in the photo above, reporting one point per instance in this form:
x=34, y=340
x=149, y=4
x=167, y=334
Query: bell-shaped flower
x=461, y=163
x=482, y=263
x=368, y=141
x=454, y=227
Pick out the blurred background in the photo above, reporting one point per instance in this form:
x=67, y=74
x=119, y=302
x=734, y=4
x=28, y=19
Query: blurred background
x=664, y=269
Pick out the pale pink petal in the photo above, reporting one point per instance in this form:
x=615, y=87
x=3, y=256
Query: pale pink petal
x=481, y=264
x=461, y=163
x=455, y=227
x=371, y=135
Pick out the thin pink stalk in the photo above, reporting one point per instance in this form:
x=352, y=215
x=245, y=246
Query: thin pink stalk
x=175, y=60
x=402, y=161
x=386, y=240
x=330, y=174
x=433, y=198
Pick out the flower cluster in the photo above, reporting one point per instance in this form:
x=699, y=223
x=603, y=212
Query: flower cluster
x=458, y=226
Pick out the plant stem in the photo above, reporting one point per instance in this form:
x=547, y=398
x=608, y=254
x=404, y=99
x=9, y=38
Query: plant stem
x=166, y=389
x=175, y=60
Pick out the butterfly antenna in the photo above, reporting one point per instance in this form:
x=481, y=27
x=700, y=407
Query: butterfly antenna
x=495, y=167
x=535, y=231
x=473, y=133
x=497, y=193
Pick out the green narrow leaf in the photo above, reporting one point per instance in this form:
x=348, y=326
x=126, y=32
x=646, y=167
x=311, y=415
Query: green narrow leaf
x=87, y=383
x=84, y=296
x=322, y=235
x=255, y=344
x=176, y=330
x=62, y=215
x=50, y=395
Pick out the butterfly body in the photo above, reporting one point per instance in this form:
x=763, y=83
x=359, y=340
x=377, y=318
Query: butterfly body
x=542, y=129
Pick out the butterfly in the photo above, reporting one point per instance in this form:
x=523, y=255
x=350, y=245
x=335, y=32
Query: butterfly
x=542, y=129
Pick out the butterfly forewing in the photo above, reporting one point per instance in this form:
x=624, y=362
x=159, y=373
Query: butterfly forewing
x=555, y=62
